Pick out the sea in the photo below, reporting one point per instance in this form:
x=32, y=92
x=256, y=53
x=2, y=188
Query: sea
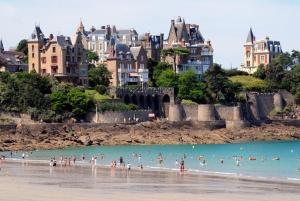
x=264, y=160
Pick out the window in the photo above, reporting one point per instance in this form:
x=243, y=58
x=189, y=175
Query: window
x=44, y=60
x=68, y=70
x=248, y=54
x=32, y=47
x=44, y=71
x=54, y=59
x=53, y=69
x=78, y=59
x=262, y=59
x=142, y=58
x=248, y=63
x=142, y=66
x=53, y=49
x=33, y=66
x=32, y=55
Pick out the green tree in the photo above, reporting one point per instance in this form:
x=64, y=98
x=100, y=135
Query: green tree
x=78, y=101
x=99, y=75
x=220, y=88
x=151, y=66
x=276, y=71
x=23, y=47
x=158, y=69
x=260, y=72
x=59, y=102
x=92, y=56
x=174, y=53
x=167, y=78
x=190, y=88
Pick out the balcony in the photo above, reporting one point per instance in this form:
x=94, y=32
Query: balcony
x=206, y=53
x=143, y=70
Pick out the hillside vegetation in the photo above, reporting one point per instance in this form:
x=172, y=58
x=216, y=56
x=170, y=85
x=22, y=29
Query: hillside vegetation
x=250, y=83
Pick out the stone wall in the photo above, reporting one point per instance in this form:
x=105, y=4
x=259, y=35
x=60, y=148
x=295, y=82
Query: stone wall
x=190, y=112
x=17, y=118
x=225, y=112
x=120, y=117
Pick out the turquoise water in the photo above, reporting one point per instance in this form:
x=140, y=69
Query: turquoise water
x=263, y=166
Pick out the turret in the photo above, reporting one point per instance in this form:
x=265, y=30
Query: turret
x=1, y=47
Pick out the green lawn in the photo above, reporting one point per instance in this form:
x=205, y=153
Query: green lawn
x=250, y=83
x=93, y=94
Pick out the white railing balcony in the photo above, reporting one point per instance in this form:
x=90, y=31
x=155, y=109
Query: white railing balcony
x=206, y=53
x=141, y=70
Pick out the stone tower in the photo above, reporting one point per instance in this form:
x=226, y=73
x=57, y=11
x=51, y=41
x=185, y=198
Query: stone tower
x=35, y=43
x=249, y=50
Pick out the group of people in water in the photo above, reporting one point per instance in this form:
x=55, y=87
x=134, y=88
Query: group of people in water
x=137, y=157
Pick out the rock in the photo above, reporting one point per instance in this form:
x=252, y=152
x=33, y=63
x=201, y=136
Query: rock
x=8, y=141
x=85, y=140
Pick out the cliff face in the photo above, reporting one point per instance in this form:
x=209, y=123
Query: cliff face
x=51, y=136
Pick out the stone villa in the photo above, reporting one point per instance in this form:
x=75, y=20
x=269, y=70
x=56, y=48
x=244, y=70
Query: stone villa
x=259, y=52
x=190, y=37
x=100, y=40
x=128, y=65
x=60, y=57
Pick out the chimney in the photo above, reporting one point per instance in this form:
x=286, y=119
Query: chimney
x=108, y=32
x=93, y=29
x=51, y=37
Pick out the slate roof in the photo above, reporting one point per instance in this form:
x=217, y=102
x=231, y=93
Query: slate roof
x=135, y=51
x=250, y=37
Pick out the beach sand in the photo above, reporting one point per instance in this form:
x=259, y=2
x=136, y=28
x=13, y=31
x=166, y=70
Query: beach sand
x=39, y=182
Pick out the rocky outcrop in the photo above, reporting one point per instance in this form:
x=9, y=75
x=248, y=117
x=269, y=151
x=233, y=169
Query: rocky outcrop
x=52, y=136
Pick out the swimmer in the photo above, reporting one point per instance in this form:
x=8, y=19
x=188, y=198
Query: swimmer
x=252, y=158
x=238, y=163
x=275, y=158
x=222, y=161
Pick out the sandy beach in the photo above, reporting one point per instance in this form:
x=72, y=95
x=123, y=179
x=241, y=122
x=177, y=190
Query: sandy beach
x=39, y=182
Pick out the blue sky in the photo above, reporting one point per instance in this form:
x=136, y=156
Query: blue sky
x=225, y=22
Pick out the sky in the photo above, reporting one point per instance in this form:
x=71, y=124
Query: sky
x=225, y=22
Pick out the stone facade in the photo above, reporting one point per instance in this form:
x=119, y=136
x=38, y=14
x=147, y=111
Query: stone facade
x=101, y=40
x=153, y=44
x=259, y=52
x=61, y=57
x=189, y=36
x=127, y=65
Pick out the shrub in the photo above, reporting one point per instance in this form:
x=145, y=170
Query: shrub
x=132, y=106
x=188, y=102
x=101, y=89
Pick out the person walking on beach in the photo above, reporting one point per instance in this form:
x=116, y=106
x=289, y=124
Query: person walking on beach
x=160, y=159
x=11, y=154
x=182, y=165
x=23, y=155
x=128, y=166
x=74, y=159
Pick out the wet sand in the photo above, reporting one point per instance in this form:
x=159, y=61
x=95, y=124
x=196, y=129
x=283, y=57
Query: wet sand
x=39, y=182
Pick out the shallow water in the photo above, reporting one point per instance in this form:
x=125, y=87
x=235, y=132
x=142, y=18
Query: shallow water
x=262, y=167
